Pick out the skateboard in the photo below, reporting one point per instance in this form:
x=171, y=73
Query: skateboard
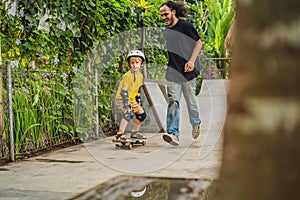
x=129, y=143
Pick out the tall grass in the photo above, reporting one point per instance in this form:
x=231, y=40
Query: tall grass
x=42, y=110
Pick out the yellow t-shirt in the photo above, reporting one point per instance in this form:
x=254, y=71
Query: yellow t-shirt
x=133, y=85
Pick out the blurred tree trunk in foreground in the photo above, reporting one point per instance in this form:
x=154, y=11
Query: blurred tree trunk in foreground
x=262, y=134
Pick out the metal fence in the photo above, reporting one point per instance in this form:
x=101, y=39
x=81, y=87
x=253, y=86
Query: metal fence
x=35, y=111
x=215, y=68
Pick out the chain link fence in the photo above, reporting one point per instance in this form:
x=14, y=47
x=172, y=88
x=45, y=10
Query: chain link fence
x=36, y=112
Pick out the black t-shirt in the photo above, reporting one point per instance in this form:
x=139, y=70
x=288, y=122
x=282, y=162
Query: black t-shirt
x=181, y=40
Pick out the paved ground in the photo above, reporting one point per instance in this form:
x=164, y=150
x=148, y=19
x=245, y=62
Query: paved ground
x=65, y=173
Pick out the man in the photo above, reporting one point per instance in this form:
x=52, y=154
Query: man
x=184, y=46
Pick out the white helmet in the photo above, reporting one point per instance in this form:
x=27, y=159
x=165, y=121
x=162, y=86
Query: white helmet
x=136, y=53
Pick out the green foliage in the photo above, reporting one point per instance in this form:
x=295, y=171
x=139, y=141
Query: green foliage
x=213, y=19
x=42, y=109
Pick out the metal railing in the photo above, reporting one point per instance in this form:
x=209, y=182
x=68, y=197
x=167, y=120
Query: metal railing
x=216, y=68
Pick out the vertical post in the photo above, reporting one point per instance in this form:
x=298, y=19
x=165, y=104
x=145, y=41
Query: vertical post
x=209, y=68
x=96, y=103
x=2, y=126
x=10, y=113
x=143, y=45
x=0, y=54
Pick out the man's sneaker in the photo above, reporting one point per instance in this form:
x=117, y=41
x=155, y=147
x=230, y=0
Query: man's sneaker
x=196, y=131
x=171, y=138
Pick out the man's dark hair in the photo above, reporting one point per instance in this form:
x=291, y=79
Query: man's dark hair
x=180, y=8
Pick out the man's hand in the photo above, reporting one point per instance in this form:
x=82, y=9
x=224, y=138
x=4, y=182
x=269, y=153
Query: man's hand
x=189, y=66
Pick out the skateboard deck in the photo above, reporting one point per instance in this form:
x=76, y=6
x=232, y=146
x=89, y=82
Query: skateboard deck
x=129, y=143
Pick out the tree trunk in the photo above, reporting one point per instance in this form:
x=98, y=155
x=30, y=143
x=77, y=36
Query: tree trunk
x=262, y=141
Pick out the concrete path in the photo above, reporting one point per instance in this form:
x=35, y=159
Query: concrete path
x=67, y=172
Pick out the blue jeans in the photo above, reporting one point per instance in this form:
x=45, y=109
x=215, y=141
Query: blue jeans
x=174, y=94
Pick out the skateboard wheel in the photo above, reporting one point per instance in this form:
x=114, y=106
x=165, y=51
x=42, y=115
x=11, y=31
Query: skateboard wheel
x=130, y=146
x=117, y=146
x=144, y=143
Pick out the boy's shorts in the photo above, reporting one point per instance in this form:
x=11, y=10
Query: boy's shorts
x=136, y=107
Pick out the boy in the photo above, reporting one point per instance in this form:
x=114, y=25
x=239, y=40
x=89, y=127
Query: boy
x=128, y=96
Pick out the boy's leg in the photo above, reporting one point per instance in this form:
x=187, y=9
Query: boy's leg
x=124, y=120
x=136, y=125
x=140, y=115
x=122, y=127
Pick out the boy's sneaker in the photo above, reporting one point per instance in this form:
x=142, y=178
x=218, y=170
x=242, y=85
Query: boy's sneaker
x=196, y=131
x=171, y=138
x=137, y=135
